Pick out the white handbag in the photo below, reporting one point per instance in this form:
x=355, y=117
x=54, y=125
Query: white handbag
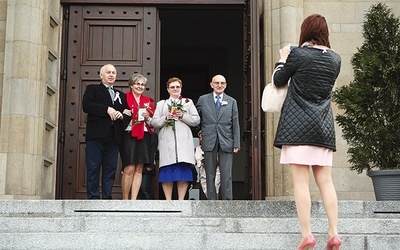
x=272, y=98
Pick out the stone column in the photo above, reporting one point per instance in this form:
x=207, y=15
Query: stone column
x=282, y=21
x=29, y=105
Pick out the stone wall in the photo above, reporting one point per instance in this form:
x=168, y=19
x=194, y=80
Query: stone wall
x=30, y=98
x=3, y=16
x=30, y=54
x=282, y=21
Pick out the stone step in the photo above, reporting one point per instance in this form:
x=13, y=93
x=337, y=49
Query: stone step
x=82, y=224
x=193, y=225
x=185, y=241
x=160, y=208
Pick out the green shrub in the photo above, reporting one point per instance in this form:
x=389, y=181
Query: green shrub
x=371, y=102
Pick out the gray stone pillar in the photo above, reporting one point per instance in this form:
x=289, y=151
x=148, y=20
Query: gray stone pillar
x=29, y=105
x=282, y=21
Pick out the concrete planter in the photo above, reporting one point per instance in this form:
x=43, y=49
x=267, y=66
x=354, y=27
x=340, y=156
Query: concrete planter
x=386, y=184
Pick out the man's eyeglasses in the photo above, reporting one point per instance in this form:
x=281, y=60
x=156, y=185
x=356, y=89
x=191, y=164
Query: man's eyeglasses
x=175, y=87
x=219, y=83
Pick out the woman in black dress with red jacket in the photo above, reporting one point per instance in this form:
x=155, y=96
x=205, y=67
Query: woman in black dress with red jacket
x=136, y=138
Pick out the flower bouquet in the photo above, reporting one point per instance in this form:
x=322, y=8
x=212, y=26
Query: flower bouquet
x=172, y=108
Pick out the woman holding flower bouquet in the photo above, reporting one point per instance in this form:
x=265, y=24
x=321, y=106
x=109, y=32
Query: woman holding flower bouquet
x=174, y=117
x=136, y=141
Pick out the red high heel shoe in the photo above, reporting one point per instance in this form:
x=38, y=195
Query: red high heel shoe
x=308, y=243
x=334, y=243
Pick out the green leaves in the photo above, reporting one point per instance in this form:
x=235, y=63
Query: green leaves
x=175, y=105
x=371, y=102
x=170, y=123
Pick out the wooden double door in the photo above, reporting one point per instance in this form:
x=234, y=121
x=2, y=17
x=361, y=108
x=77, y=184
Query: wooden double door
x=129, y=37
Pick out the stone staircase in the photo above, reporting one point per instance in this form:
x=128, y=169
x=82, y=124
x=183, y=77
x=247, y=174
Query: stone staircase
x=145, y=224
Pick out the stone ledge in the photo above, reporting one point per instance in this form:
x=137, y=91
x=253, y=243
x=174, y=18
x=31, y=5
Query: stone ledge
x=162, y=208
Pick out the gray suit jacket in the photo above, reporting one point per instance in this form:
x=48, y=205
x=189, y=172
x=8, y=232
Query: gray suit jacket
x=223, y=125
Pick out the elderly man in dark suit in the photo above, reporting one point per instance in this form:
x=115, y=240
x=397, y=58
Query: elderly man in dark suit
x=104, y=106
x=221, y=136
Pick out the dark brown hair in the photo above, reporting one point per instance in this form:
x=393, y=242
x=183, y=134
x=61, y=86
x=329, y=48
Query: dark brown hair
x=315, y=29
x=174, y=79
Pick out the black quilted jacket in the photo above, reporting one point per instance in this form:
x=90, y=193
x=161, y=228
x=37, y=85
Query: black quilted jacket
x=306, y=116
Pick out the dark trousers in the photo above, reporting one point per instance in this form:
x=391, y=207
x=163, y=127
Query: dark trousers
x=146, y=191
x=101, y=155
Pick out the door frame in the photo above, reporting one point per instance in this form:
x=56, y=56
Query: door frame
x=157, y=2
x=254, y=188
x=255, y=142
x=256, y=100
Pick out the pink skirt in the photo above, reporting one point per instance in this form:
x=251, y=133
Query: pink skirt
x=306, y=155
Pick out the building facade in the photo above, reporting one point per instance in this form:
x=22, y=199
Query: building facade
x=49, y=52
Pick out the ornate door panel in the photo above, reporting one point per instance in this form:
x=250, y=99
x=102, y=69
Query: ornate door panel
x=252, y=114
x=125, y=36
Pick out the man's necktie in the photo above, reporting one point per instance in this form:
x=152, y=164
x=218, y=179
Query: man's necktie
x=218, y=102
x=112, y=93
